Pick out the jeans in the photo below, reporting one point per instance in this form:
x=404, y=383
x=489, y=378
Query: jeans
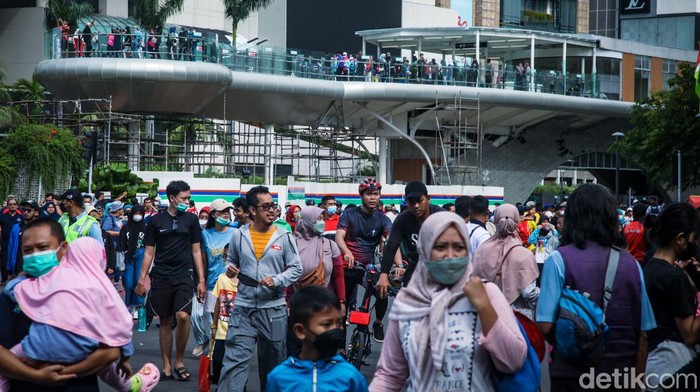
x=132, y=271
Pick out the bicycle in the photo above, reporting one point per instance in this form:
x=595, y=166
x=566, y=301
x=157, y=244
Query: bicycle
x=360, y=346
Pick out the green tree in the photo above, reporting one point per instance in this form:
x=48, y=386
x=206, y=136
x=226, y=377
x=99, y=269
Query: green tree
x=117, y=179
x=151, y=14
x=664, y=123
x=238, y=10
x=70, y=11
x=8, y=113
x=42, y=151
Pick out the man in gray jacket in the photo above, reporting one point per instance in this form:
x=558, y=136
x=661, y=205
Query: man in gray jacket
x=266, y=260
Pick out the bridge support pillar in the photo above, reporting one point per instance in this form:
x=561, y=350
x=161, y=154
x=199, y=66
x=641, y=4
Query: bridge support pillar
x=134, y=136
x=383, y=159
x=269, y=151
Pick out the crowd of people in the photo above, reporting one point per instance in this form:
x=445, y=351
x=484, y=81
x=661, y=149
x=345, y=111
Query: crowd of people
x=127, y=42
x=483, y=287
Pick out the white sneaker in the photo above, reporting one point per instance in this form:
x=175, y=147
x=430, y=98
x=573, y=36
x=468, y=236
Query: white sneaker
x=135, y=314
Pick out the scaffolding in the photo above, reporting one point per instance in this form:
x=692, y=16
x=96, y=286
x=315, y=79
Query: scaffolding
x=212, y=147
x=459, y=141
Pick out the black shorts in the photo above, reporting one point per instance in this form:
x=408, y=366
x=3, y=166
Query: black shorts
x=169, y=296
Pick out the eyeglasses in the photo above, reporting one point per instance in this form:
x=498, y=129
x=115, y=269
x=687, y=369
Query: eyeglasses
x=267, y=206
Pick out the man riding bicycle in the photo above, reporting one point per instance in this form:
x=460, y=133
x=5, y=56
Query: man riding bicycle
x=360, y=231
x=404, y=235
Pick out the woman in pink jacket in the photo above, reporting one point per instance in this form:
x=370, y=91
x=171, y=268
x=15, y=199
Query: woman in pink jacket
x=447, y=330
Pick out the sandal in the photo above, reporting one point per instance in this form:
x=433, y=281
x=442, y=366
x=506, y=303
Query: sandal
x=182, y=374
x=148, y=377
x=165, y=377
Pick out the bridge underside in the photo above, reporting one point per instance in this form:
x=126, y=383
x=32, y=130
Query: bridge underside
x=528, y=119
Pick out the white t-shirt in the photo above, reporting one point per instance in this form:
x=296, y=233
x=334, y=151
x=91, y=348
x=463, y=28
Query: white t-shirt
x=477, y=236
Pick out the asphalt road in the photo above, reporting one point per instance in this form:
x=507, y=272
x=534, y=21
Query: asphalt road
x=148, y=350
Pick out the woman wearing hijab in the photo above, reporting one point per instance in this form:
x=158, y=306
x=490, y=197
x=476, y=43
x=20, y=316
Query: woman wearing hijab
x=49, y=210
x=131, y=244
x=291, y=215
x=503, y=260
x=314, y=248
x=97, y=315
x=447, y=328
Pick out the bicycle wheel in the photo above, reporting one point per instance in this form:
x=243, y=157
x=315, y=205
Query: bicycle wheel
x=357, y=348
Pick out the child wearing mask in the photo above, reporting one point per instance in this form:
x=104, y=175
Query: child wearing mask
x=58, y=336
x=316, y=319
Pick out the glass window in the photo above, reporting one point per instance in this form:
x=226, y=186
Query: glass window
x=670, y=70
x=642, y=77
x=609, y=77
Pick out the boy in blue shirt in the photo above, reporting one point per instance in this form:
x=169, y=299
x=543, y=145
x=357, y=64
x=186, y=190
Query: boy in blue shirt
x=316, y=320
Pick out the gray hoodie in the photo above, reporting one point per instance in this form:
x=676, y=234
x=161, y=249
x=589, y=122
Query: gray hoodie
x=280, y=260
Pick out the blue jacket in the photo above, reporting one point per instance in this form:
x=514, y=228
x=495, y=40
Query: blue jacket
x=325, y=375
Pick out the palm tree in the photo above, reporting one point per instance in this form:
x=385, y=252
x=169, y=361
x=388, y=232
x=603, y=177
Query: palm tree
x=67, y=10
x=238, y=10
x=8, y=113
x=151, y=14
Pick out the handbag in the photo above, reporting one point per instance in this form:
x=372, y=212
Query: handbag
x=318, y=275
x=205, y=369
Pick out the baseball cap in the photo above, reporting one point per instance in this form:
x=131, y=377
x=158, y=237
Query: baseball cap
x=73, y=195
x=31, y=204
x=116, y=206
x=415, y=190
x=90, y=209
x=220, y=205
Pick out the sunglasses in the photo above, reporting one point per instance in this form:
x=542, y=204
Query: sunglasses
x=267, y=206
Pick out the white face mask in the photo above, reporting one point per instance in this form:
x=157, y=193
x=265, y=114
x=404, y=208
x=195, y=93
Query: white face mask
x=137, y=218
x=203, y=222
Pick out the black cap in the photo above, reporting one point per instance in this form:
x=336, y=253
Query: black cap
x=31, y=204
x=415, y=190
x=73, y=195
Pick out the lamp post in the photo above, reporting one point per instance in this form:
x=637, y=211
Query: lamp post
x=617, y=135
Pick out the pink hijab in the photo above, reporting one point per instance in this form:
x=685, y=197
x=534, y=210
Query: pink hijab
x=428, y=302
x=77, y=296
x=504, y=251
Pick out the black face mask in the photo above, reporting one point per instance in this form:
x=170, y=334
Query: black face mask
x=329, y=342
x=690, y=251
x=544, y=232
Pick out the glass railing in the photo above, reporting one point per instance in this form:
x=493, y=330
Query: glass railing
x=305, y=64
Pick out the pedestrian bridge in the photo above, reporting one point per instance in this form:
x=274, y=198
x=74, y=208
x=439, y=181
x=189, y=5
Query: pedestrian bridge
x=395, y=109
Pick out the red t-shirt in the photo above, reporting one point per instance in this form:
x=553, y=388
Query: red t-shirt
x=634, y=235
x=332, y=223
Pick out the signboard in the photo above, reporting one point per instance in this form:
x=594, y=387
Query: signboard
x=469, y=45
x=635, y=7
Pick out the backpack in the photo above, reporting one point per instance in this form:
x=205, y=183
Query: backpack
x=527, y=378
x=580, y=331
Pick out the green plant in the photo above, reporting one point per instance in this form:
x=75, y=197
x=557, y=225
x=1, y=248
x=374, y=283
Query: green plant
x=117, y=178
x=238, y=10
x=663, y=124
x=554, y=189
x=71, y=11
x=153, y=13
x=44, y=151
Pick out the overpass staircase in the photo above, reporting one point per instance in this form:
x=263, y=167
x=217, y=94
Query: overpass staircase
x=459, y=141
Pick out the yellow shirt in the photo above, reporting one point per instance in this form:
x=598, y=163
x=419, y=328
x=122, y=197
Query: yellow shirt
x=225, y=290
x=260, y=240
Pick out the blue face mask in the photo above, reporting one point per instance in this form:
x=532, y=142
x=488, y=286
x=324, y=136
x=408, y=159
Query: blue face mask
x=40, y=263
x=447, y=271
x=222, y=221
x=319, y=227
x=235, y=224
x=332, y=210
x=182, y=207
